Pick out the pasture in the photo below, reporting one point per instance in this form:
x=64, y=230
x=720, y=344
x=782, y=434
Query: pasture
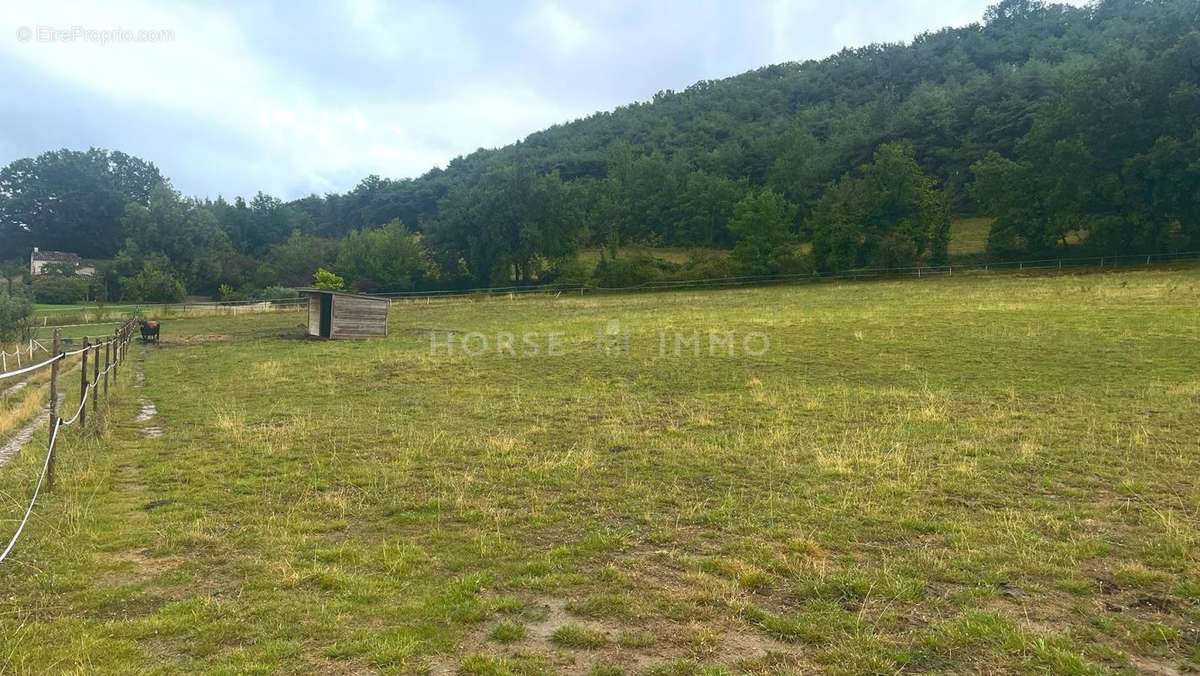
x=993, y=473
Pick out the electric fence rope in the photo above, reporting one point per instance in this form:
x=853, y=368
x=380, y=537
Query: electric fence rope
x=122, y=337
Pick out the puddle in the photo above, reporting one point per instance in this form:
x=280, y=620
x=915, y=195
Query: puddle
x=145, y=414
x=17, y=441
x=148, y=410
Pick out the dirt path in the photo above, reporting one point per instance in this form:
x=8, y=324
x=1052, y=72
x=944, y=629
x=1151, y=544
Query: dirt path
x=9, y=448
x=147, y=411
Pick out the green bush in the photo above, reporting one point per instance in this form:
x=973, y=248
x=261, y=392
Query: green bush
x=568, y=271
x=152, y=285
x=16, y=313
x=707, y=265
x=228, y=294
x=276, y=293
x=59, y=290
x=324, y=279
x=632, y=270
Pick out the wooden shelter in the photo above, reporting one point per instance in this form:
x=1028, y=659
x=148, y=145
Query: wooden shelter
x=339, y=315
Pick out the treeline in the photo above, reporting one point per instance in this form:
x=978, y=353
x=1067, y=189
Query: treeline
x=1073, y=127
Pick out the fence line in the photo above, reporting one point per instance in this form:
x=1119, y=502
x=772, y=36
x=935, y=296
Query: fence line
x=115, y=351
x=33, y=345
x=920, y=271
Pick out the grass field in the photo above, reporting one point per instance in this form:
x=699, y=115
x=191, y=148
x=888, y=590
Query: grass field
x=968, y=236
x=992, y=474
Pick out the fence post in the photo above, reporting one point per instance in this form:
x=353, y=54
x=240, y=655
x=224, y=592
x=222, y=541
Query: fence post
x=116, y=353
x=53, y=408
x=96, y=380
x=107, y=364
x=83, y=383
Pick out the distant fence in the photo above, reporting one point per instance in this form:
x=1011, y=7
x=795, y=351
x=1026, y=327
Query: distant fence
x=68, y=316
x=22, y=350
x=93, y=386
x=948, y=270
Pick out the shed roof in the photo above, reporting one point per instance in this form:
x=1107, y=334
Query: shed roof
x=308, y=289
x=56, y=256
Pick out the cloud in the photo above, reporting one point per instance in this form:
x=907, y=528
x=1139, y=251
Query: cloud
x=313, y=96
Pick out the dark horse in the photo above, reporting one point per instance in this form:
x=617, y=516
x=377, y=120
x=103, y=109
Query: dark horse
x=149, y=331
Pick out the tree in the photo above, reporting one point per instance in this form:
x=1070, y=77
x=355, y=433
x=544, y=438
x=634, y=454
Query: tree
x=705, y=208
x=383, y=259
x=324, y=279
x=295, y=260
x=183, y=232
x=13, y=272
x=761, y=222
x=499, y=229
x=16, y=313
x=152, y=284
x=888, y=215
x=71, y=201
x=1010, y=192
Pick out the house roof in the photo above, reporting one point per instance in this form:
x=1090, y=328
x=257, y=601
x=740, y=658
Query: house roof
x=309, y=289
x=56, y=257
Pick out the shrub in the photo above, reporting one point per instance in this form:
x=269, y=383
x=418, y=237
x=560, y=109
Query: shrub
x=324, y=279
x=59, y=290
x=708, y=265
x=229, y=295
x=568, y=271
x=630, y=271
x=276, y=293
x=152, y=285
x=16, y=314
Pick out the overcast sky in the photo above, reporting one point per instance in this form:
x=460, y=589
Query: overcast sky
x=311, y=97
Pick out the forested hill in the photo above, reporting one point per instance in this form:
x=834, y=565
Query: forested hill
x=1076, y=129
x=1075, y=94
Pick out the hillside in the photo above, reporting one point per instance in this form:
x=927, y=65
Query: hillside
x=1109, y=81
x=1069, y=131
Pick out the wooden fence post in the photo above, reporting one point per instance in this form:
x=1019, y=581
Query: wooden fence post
x=107, y=364
x=96, y=380
x=53, y=408
x=83, y=382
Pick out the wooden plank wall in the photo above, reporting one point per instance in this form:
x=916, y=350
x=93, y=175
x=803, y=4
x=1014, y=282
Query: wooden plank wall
x=359, y=317
x=314, y=315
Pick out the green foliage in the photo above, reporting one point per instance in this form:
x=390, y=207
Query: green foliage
x=324, y=279
x=16, y=312
x=1072, y=126
x=294, y=260
x=568, y=271
x=382, y=259
x=176, y=234
x=229, y=294
x=276, y=293
x=627, y=271
x=60, y=290
x=708, y=265
x=705, y=208
x=71, y=200
x=499, y=228
x=886, y=215
x=152, y=284
x=762, y=224
x=13, y=272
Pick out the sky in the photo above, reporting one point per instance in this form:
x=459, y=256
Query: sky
x=293, y=98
